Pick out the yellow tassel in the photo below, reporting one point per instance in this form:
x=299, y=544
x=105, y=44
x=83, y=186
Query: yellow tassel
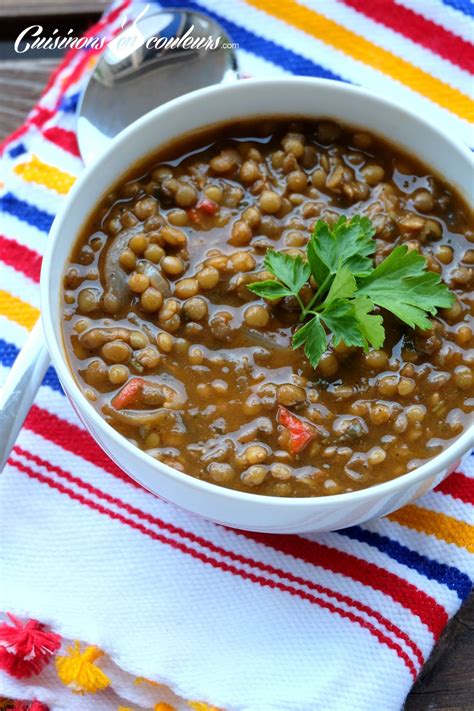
x=78, y=671
x=202, y=706
x=162, y=706
x=124, y=708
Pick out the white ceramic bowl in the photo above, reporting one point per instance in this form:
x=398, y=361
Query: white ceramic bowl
x=289, y=97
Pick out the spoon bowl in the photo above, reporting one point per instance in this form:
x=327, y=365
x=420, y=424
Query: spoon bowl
x=159, y=57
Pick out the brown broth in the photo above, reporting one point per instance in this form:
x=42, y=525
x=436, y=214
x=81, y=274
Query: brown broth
x=218, y=372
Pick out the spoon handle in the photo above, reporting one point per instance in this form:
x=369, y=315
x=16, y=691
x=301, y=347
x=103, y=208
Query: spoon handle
x=19, y=390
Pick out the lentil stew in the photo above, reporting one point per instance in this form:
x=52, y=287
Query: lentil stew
x=178, y=355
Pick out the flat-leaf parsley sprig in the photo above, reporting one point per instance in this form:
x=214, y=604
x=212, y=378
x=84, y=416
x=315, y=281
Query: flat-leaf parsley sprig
x=349, y=287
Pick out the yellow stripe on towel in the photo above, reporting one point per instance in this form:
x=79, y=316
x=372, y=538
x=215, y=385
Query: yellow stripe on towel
x=35, y=171
x=361, y=49
x=17, y=310
x=444, y=527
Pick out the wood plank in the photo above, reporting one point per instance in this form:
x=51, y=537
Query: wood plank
x=447, y=681
x=22, y=82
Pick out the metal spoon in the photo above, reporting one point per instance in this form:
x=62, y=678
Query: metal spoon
x=137, y=73
x=134, y=74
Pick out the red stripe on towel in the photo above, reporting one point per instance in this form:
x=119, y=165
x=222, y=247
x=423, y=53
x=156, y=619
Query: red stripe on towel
x=64, y=139
x=418, y=29
x=430, y=612
x=219, y=550
x=21, y=258
x=459, y=487
x=73, y=439
x=217, y=564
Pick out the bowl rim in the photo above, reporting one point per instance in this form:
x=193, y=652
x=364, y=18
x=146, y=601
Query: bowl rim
x=57, y=349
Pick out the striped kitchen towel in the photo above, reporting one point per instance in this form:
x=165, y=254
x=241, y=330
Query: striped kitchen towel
x=121, y=601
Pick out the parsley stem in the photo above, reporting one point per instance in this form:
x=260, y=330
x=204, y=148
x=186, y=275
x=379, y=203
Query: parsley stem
x=322, y=288
x=301, y=305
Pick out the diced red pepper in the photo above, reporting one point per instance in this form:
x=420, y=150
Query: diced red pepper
x=128, y=394
x=301, y=433
x=204, y=206
x=208, y=206
x=194, y=215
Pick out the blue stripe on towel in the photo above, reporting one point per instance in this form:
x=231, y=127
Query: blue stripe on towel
x=68, y=104
x=464, y=6
x=447, y=575
x=8, y=354
x=268, y=50
x=26, y=212
x=17, y=150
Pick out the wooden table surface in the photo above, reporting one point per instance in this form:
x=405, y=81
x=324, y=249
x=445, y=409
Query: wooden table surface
x=447, y=681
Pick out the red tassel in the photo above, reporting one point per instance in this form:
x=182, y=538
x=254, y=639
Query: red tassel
x=26, y=647
x=24, y=706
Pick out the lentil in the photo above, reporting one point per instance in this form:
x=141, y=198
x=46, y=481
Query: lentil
x=186, y=288
x=255, y=454
x=376, y=456
x=297, y=181
x=288, y=394
x=165, y=342
x=249, y=172
x=116, y=351
x=178, y=217
x=256, y=316
x=118, y=374
x=139, y=243
x=128, y=259
x=241, y=233
x=87, y=301
x=138, y=339
x=138, y=282
x=173, y=237
x=172, y=265
x=185, y=195
x=221, y=472
x=208, y=278
x=372, y=174
x=254, y=475
x=463, y=377
x=154, y=253
x=242, y=261
x=196, y=308
x=151, y=299
x=269, y=201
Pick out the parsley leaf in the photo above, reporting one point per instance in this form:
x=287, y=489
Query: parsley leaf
x=313, y=336
x=370, y=325
x=401, y=284
x=292, y=271
x=269, y=289
x=340, y=318
x=348, y=242
x=319, y=269
x=340, y=259
x=343, y=286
